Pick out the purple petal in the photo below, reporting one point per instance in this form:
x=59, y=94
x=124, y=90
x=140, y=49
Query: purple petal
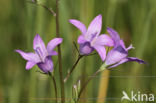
x=101, y=51
x=85, y=48
x=136, y=60
x=121, y=62
x=114, y=35
x=81, y=39
x=128, y=59
x=94, y=28
x=103, y=40
x=122, y=44
x=29, y=56
x=79, y=25
x=116, y=55
x=39, y=47
x=52, y=44
x=47, y=66
x=54, y=53
x=29, y=65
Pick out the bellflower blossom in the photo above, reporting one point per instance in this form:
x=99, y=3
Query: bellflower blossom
x=42, y=55
x=90, y=38
x=119, y=53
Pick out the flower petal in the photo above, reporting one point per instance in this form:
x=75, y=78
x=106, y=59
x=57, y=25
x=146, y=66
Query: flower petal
x=101, y=51
x=116, y=55
x=29, y=56
x=121, y=62
x=123, y=44
x=29, y=65
x=136, y=60
x=54, y=53
x=128, y=59
x=52, y=44
x=47, y=66
x=81, y=39
x=79, y=25
x=114, y=35
x=39, y=47
x=94, y=28
x=103, y=40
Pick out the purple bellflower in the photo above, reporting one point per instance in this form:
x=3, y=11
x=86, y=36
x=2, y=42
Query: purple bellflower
x=90, y=39
x=42, y=55
x=119, y=53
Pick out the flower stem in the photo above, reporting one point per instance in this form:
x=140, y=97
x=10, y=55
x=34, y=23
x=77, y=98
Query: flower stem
x=73, y=67
x=59, y=53
x=48, y=9
x=45, y=7
x=54, y=82
x=86, y=83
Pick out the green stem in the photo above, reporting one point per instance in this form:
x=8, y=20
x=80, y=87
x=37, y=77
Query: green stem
x=45, y=7
x=59, y=53
x=55, y=87
x=73, y=67
x=86, y=83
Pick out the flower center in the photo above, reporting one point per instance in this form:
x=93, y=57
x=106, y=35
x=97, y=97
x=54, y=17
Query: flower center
x=93, y=36
x=93, y=41
x=39, y=53
x=85, y=48
x=90, y=37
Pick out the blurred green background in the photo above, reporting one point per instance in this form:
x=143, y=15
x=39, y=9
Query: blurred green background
x=135, y=20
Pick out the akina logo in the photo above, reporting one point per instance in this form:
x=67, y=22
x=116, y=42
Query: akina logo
x=137, y=96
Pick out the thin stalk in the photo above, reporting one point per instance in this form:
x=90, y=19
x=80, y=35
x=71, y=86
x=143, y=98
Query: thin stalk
x=73, y=67
x=59, y=53
x=45, y=7
x=48, y=9
x=86, y=83
x=55, y=87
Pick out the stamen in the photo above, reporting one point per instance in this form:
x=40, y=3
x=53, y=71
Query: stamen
x=39, y=53
x=130, y=47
